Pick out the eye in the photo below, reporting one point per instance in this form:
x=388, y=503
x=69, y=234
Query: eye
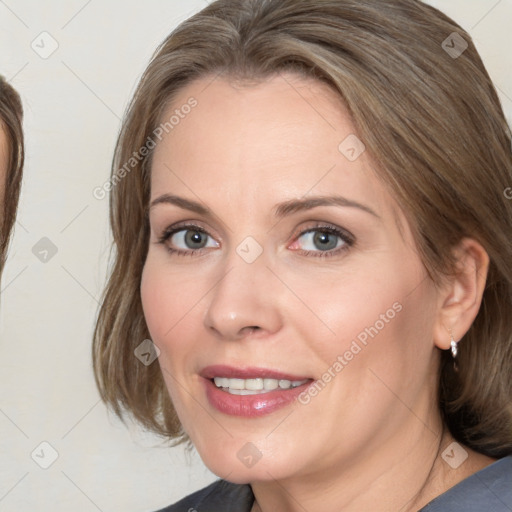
x=320, y=240
x=323, y=241
x=187, y=240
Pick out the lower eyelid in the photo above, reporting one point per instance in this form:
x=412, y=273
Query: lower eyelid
x=326, y=254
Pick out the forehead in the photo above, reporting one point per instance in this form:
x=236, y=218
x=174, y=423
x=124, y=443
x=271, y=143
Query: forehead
x=278, y=112
x=279, y=138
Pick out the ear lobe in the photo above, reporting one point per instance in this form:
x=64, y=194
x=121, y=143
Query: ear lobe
x=461, y=295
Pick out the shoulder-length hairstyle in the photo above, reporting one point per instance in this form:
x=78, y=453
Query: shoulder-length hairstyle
x=427, y=111
x=11, y=118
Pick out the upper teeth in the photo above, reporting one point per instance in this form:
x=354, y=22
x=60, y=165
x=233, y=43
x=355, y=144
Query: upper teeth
x=255, y=386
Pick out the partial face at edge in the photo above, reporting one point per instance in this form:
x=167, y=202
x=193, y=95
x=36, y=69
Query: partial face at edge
x=4, y=162
x=333, y=290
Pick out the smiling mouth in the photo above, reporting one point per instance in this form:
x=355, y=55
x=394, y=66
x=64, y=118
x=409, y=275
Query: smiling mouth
x=255, y=386
x=251, y=392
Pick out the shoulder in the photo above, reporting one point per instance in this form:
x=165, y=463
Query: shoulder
x=489, y=489
x=220, y=495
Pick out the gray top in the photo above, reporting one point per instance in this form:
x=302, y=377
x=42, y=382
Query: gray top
x=488, y=490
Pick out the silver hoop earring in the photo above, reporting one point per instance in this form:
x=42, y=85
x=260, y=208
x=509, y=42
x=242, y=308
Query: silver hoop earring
x=454, y=348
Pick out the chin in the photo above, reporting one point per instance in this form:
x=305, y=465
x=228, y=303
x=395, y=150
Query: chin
x=241, y=462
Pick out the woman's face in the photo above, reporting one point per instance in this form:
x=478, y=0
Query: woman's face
x=276, y=255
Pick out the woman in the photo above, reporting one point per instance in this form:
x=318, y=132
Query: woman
x=314, y=236
x=11, y=161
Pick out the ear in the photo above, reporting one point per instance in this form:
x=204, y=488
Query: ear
x=461, y=294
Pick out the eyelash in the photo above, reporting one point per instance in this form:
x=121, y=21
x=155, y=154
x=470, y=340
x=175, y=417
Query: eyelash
x=347, y=238
x=169, y=232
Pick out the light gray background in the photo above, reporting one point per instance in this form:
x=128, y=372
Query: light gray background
x=74, y=101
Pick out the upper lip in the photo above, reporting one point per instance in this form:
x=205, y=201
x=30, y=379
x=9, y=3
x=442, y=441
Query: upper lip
x=247, y=372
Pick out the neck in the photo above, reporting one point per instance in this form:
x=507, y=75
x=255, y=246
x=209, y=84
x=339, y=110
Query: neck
x=404, y=476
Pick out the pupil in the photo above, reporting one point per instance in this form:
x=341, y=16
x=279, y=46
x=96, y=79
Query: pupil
x=325, y=241
x=194, y=239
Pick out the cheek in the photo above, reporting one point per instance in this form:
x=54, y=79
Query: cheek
x=354, y=306
x=155, y=302
x=164, y=306
x=368, y=321
x=171, y=301
x=166, y=298
x=384, y=345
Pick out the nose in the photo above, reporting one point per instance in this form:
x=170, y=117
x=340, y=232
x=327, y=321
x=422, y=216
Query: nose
x=244, y=302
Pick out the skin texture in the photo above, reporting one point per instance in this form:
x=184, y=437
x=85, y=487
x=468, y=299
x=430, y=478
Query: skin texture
x=372, y=438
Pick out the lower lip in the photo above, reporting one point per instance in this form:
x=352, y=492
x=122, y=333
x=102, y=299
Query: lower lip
x=251, y=406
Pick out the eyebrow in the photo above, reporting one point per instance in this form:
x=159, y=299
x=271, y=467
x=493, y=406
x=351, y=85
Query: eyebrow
x=298, y=205
x=280, y=211
x=181, y=202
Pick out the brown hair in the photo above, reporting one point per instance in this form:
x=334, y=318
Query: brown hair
x=11, y=116
x=429, y=116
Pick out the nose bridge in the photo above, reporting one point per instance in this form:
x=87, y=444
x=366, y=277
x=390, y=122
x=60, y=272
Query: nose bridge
x=242, y=299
